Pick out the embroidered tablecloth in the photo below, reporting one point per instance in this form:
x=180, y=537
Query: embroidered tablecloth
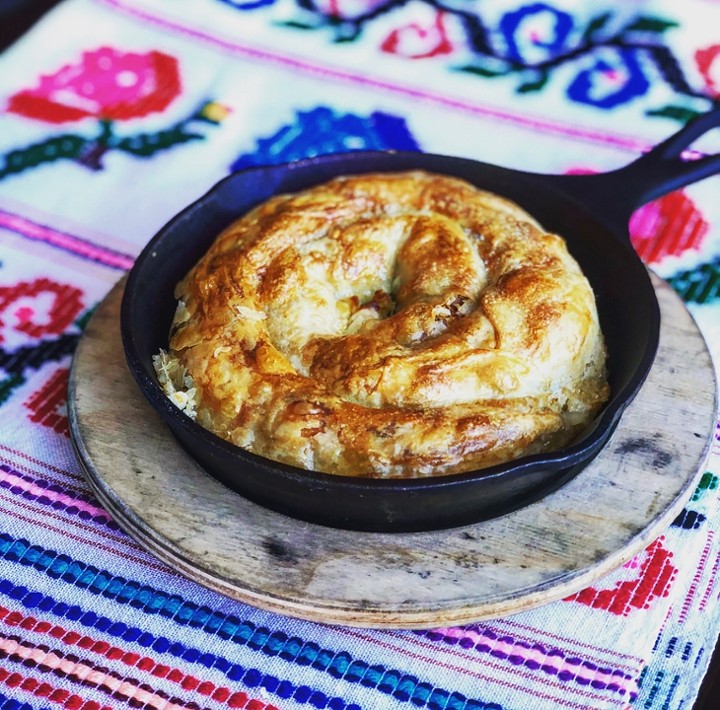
x=118, y=113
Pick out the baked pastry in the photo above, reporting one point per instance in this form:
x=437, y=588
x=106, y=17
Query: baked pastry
x=387, y=325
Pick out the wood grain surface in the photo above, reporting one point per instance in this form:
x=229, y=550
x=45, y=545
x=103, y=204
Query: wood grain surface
x=614, y=508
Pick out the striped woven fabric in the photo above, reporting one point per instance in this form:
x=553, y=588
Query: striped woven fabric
x=118, y=113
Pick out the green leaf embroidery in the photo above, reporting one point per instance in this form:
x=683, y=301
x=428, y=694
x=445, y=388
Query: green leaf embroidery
x=344, y=30
x=147, y=144
x=346, y=37
x=295, y=24
x=595, y=25
x=8, y=385
x=708, y=482
x=56, y=148
x=645, y=23
x=700, y=285
x=534, y=84
x=482, y=70
x=677, y=113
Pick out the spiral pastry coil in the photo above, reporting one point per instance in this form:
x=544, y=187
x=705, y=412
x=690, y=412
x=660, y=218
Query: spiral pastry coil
x=387, y=325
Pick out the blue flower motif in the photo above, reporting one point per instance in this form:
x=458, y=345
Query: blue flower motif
x=615, y=78
x=322, y=130
x=247, y=4
x=535, y=32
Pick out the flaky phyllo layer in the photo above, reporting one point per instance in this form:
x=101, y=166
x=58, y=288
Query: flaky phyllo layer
x=387, y=325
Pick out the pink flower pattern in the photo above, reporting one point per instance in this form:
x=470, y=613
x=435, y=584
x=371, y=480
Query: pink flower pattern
x=708, y=62
x=105, y=84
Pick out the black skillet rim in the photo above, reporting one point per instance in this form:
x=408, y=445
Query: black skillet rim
x=570, y=457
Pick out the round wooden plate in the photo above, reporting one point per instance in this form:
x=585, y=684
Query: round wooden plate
x=614, y=508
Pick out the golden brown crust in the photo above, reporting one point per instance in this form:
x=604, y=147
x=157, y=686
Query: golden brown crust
x=389, y=325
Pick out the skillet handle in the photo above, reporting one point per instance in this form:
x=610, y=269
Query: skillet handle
x=617, y=194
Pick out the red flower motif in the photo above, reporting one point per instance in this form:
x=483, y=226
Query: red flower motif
x=651, y=576
x=708, y=62
x=48, y=406
x=38, y=308
x=105, y=84
x=669, y=226
x=417, y=41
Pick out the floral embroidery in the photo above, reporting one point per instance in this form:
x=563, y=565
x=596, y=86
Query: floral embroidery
x=669, y=226
x=248, y=4
x=708, y=62
x=36, y=309
x=38, y=324
x=650, y=577
x=104, y=88
x=535, y=33
x=608, y=59
x=614, y=78
x=106, y=84
x=48, y=406
x=699, y=285
x=418, y=41
x=323, y=130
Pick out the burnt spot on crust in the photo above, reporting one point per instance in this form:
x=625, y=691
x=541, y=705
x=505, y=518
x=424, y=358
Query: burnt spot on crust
x=386, y=431
x=380, y=302
x=649, y=448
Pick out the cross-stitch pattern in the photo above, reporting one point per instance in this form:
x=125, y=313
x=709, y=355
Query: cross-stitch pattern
x=109, y=86
x=105, y=136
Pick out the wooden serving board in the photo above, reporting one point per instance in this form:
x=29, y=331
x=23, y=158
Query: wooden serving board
x=613, y=509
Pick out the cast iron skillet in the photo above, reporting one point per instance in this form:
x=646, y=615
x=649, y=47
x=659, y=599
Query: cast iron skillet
x=590, y=211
